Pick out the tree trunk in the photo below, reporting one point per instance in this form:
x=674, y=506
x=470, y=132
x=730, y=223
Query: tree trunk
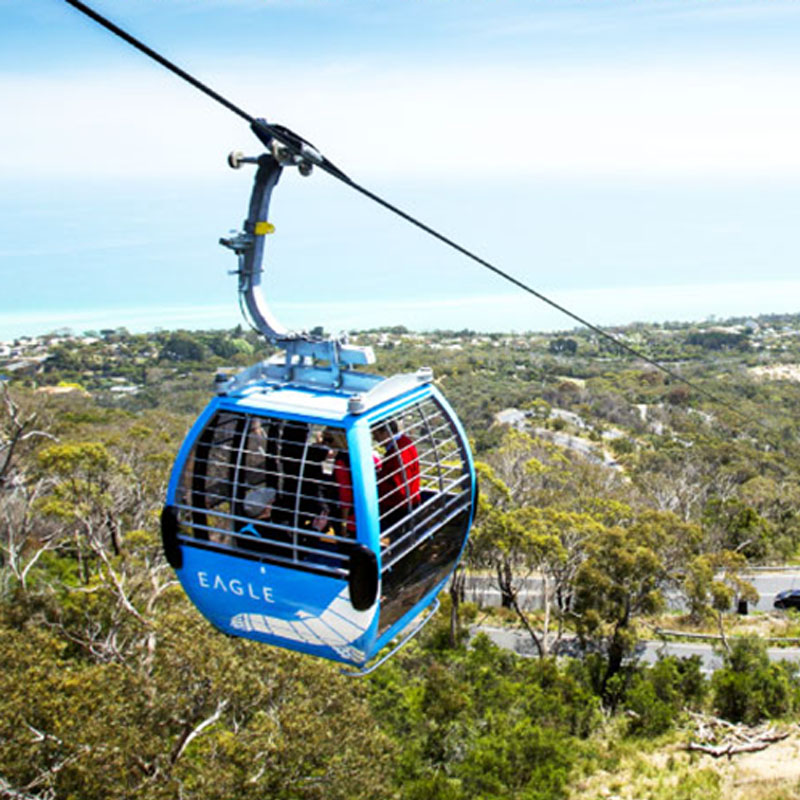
x=456, y=598
x=722, y=635
x=616, y=654
x=504, y=581
x=540, y=642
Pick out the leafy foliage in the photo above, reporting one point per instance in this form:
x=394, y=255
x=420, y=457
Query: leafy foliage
x=656, y=696
x=482, y=723
x=750, y=688
x=616, y=485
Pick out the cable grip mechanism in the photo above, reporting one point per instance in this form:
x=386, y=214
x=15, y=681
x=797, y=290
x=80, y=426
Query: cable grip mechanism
x=281, y=153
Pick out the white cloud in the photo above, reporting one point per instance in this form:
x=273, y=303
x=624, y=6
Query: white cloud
x=712, y=118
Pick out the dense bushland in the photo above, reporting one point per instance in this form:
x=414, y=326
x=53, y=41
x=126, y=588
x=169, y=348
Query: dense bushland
x=111, y=685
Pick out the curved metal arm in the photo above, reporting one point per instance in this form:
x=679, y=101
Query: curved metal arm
x=303, y=352
x=250, y=244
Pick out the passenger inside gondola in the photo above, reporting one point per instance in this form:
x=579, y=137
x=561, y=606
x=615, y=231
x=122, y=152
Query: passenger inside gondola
x=316, y=503
x=258, y=506
x=316, y=490
x=293, y=437
x=398, y=475
x=343, y=518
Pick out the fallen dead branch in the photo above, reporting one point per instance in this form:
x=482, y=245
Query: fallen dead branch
x=718, y=737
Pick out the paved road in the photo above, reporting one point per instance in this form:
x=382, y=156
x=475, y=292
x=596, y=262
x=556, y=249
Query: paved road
x=769, y=584
x=712, y=660
x=520, y=642
x=482, y=590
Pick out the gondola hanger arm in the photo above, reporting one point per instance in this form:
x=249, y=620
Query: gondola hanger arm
x=303, y=352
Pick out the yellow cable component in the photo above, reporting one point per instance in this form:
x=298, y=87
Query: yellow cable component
x=263, y=228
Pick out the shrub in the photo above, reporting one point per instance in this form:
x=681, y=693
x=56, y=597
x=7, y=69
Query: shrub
x=657, y=695
x=750, y=688
x=650, y=716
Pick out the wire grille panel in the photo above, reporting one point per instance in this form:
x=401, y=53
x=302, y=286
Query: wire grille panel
x=281, y=491
x=424, y=500
x=272, y=489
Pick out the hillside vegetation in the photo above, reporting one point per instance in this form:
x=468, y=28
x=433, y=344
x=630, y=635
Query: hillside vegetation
x=611, y=482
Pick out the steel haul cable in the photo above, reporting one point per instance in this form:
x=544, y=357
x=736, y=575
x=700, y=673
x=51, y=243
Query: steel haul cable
x=295, y=145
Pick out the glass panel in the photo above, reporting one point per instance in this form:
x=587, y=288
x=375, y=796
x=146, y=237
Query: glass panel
x=424, y=497
x=419, y=570
x=211, y=468
x=272, y=489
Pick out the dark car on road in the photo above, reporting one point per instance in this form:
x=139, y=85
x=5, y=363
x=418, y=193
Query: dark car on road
x=788, y=599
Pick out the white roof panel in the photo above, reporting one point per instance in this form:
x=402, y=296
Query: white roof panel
x=290, y=400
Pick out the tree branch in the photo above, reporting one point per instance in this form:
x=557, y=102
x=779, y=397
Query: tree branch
x=192, y=735
x=118, y=585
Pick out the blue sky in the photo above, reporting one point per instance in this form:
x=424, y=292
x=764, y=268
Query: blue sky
x=635, y=160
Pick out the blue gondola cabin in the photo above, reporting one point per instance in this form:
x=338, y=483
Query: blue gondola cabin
x=320, y=520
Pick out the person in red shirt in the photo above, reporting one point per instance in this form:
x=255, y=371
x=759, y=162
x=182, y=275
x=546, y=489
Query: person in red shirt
x=336, y=440
x=398, y=475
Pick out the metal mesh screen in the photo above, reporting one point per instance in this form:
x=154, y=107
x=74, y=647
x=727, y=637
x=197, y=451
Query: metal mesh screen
x=281, y=491
x=277, y=490
x=424, y=497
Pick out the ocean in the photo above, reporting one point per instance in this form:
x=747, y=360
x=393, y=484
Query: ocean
x=492, y=312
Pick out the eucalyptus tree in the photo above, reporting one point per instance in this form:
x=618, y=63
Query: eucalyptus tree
x=533, y=523
x=624, y=576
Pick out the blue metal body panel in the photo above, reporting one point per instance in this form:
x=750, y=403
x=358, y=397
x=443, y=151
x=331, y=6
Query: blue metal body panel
x=278, y=606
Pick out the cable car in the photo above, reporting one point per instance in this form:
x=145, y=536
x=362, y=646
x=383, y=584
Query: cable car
x=314, y=506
